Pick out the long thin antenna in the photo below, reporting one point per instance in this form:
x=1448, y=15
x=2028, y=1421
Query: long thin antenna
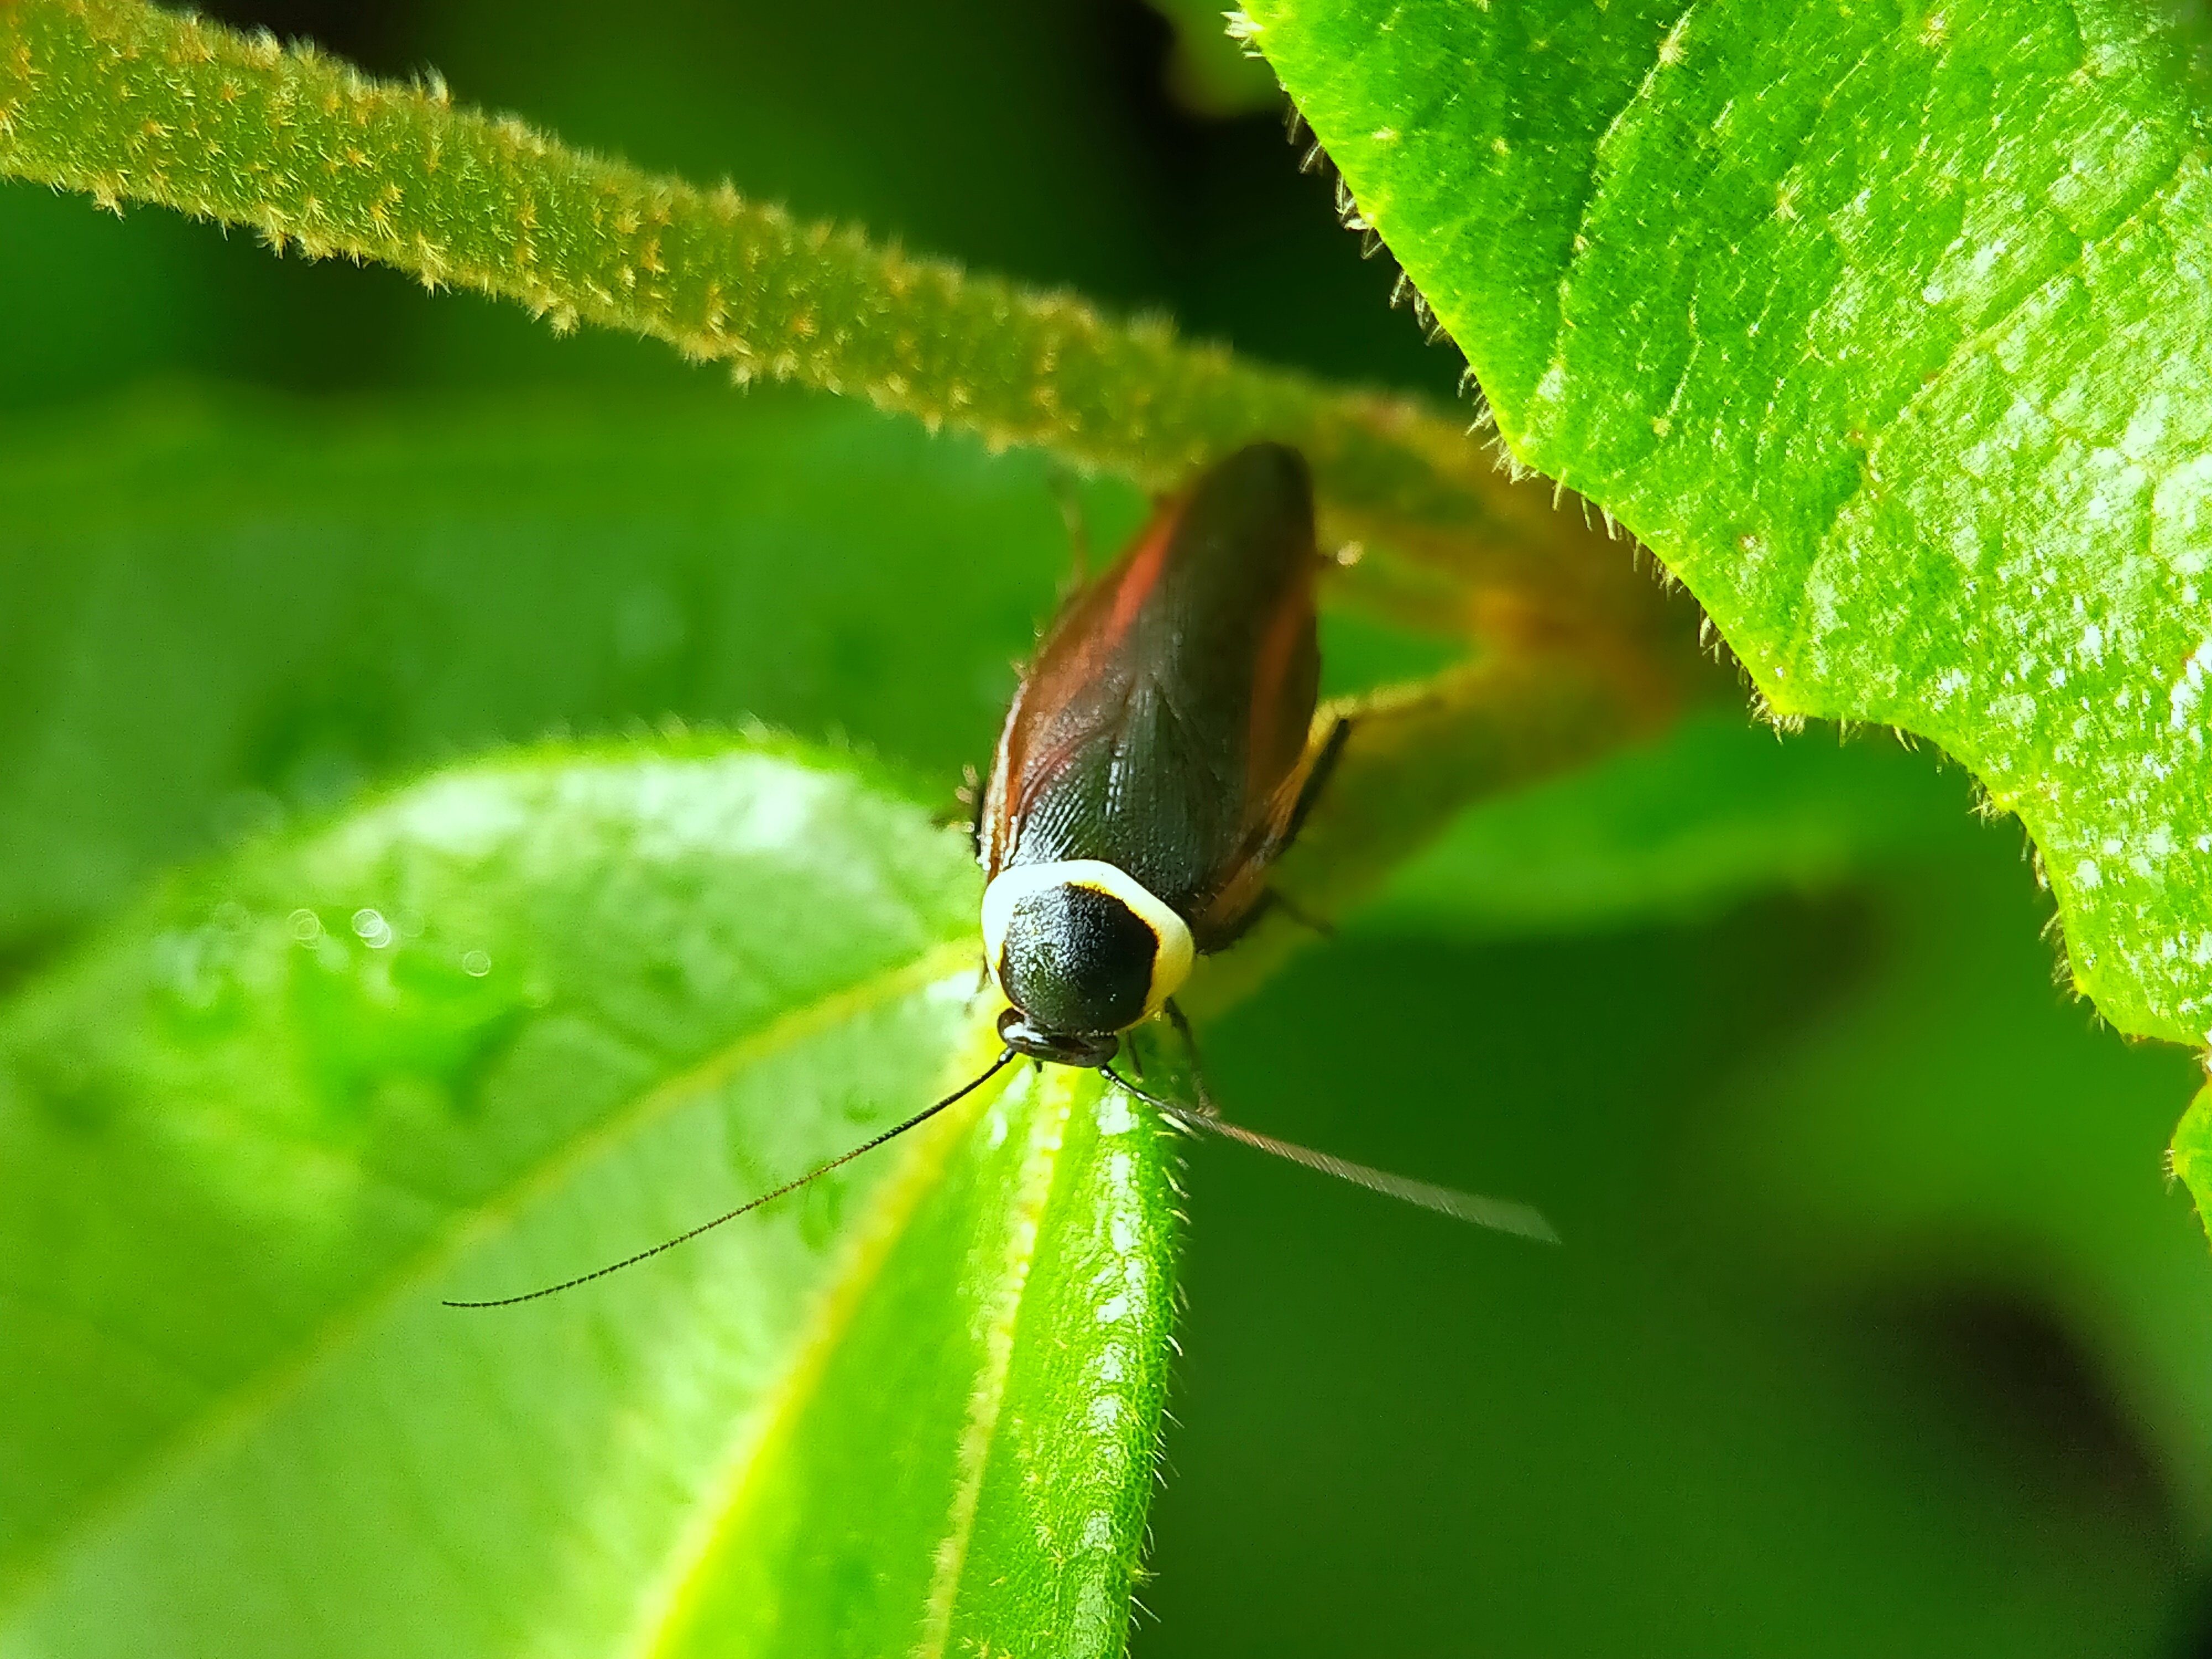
x=1500, y=1213
x=893, y=1134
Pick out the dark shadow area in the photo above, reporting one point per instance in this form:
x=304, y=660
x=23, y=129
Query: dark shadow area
x=1249, y=245
x=1646, y=1443
x=2020, y=1383
x=380, y=35
x=2196, y=1640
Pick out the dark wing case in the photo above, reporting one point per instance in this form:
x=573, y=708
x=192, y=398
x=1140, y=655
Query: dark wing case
x=1163, y=725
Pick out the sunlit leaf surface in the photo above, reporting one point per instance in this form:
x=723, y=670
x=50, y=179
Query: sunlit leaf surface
x=495, y=1029
x=1888, y=328
x=219, y=611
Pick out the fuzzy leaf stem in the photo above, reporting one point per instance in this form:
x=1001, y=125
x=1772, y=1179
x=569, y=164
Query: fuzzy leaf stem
x=130, y=103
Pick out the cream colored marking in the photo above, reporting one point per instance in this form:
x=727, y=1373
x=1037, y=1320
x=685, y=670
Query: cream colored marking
x=1171, y=962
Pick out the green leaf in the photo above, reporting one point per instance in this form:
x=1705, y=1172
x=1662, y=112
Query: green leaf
x=2190, y=1154
x=1876, y=1331
x=1949, y=1128
x=123, y=101
x=1678, y=829
x=1885, y=327
x=495, y=1029
x=315, y=600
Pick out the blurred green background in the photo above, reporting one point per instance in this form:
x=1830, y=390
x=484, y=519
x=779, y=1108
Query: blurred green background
x=1879, y=1331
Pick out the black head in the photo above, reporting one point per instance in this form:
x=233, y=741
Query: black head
x=1075, y=959
x=1083, y=951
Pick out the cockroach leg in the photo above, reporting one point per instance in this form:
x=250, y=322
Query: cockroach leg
x=1078, y=528
x=971, y=795
x=1317, y=777
x=1197, y=1067
x=1298, y=914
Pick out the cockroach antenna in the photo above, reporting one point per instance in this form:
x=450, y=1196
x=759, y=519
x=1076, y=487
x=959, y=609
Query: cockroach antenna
x=1502, y=1214
x=1005, y=1059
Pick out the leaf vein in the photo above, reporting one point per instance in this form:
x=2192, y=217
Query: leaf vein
x=260, y=1393
x=987, y=1403
x=1593, y=191
x=1969, y=346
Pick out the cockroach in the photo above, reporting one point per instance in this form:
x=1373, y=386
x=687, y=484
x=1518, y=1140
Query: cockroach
x=1155, y=762
x=1158, y=757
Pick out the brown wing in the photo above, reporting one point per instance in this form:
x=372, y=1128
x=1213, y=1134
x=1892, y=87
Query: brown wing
x=1163, y=725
